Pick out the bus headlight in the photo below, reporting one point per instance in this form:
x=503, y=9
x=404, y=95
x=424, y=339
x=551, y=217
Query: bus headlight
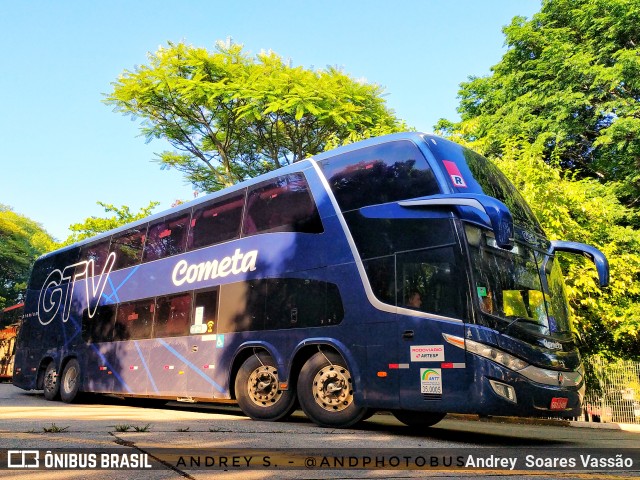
x=491, y=353
x=555, y=378
x=496, y=355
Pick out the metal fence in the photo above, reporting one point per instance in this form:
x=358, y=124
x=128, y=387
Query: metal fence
x=613, y=391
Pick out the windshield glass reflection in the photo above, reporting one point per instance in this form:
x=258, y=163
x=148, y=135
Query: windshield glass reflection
x=509, y=287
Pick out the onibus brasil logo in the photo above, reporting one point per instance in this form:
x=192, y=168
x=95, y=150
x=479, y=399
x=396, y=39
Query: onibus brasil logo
x=57, y=291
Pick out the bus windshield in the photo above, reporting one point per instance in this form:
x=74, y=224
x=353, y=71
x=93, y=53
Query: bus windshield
x=510, y=289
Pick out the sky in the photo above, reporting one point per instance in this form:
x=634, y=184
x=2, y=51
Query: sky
x=62, y=149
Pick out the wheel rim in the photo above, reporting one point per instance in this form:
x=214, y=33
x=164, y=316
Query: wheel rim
x=262, y=386
x=70, y=379
x=50, y=380
x=332, y=388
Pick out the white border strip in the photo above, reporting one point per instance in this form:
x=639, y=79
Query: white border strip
x=363, y=274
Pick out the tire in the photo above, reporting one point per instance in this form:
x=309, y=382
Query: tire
x=50, y=382
x=418, y=419
x=70, y=381
x=368, y=414
x=325, y=392
x=258, y=390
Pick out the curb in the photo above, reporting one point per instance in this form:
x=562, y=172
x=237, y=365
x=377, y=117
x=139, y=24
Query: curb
x=627, y=427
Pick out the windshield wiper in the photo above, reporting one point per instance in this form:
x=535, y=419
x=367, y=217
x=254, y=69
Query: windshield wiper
x=518, y=320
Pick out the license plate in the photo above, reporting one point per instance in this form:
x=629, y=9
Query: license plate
x=559, y=403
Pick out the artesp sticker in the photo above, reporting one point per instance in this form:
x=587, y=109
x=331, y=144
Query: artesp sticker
x=427, y=353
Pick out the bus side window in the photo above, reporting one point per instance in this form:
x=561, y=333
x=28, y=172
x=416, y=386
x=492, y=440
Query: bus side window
x=128, y=247
x=216, y=222
x=166, y=237
x=302, y=303
x=98, y=252
x=173, y=316
x=379, y=174
x=134, y=320
x=381, y=273
x=284, y=204
x=100, y=327
x=242, y=306
x=435, y=276
x=205, y=312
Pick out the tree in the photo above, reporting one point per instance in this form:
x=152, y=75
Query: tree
x=21, y=241
x=560, y=115
x=230, y=116
x=585, y=210
x=568, y=85
x=94, y=225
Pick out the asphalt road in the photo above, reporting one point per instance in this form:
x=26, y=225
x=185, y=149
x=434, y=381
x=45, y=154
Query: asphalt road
x=28, y=421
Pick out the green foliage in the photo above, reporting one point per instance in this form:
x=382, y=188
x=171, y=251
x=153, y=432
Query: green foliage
x=21, y=241
x=95, y=225
x=560, y=116
x=586, y=211
x=230, y=116
x=568, y=86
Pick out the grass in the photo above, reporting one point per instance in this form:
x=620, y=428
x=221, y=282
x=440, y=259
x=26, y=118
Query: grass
x=54, y=429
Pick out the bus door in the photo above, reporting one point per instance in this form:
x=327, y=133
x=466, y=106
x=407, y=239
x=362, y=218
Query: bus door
x=132, y=331
x=168, y=366
x=204, y=346
x=167, y=358
x=100, y=350
x=431, y=302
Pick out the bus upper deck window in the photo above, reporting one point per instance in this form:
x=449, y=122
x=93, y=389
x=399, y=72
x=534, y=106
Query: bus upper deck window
x=128, y=247
x=98, y=252
x=216, y=222
x=284, y=204
x=379, y=174
x=166, y=237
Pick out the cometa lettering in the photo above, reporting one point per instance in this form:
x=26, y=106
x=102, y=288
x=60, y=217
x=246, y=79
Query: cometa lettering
x=239, y=262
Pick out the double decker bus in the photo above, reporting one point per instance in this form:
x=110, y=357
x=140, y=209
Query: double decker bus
x=10, y=319
x=403, y=273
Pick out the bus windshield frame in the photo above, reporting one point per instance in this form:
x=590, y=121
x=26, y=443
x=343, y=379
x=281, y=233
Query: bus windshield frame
x=517, y=289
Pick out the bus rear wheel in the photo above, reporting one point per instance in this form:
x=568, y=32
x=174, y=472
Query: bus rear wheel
x=50, y=383
x=418, y=419
x=325, y=391
x=70, y=381
x=258, y=390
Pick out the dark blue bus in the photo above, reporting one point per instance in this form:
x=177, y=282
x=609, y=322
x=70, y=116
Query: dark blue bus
x=403, y=273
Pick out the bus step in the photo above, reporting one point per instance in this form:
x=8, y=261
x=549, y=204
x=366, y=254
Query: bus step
x=186, y=399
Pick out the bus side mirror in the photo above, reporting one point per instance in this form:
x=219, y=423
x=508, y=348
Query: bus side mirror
x=499, y=215
x=592, y=253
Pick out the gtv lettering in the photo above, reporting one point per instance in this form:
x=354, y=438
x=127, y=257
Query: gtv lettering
x=57, y=291
x=197, y=272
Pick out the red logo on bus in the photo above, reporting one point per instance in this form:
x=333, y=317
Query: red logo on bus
x=454, y=174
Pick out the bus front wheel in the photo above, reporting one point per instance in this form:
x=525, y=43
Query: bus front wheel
x=418, y=419
x=70, y=381
x=258, y=390
x=51, y=384
x=325, y=392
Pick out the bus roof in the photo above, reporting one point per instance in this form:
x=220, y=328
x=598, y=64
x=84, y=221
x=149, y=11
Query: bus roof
x=301, y=165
